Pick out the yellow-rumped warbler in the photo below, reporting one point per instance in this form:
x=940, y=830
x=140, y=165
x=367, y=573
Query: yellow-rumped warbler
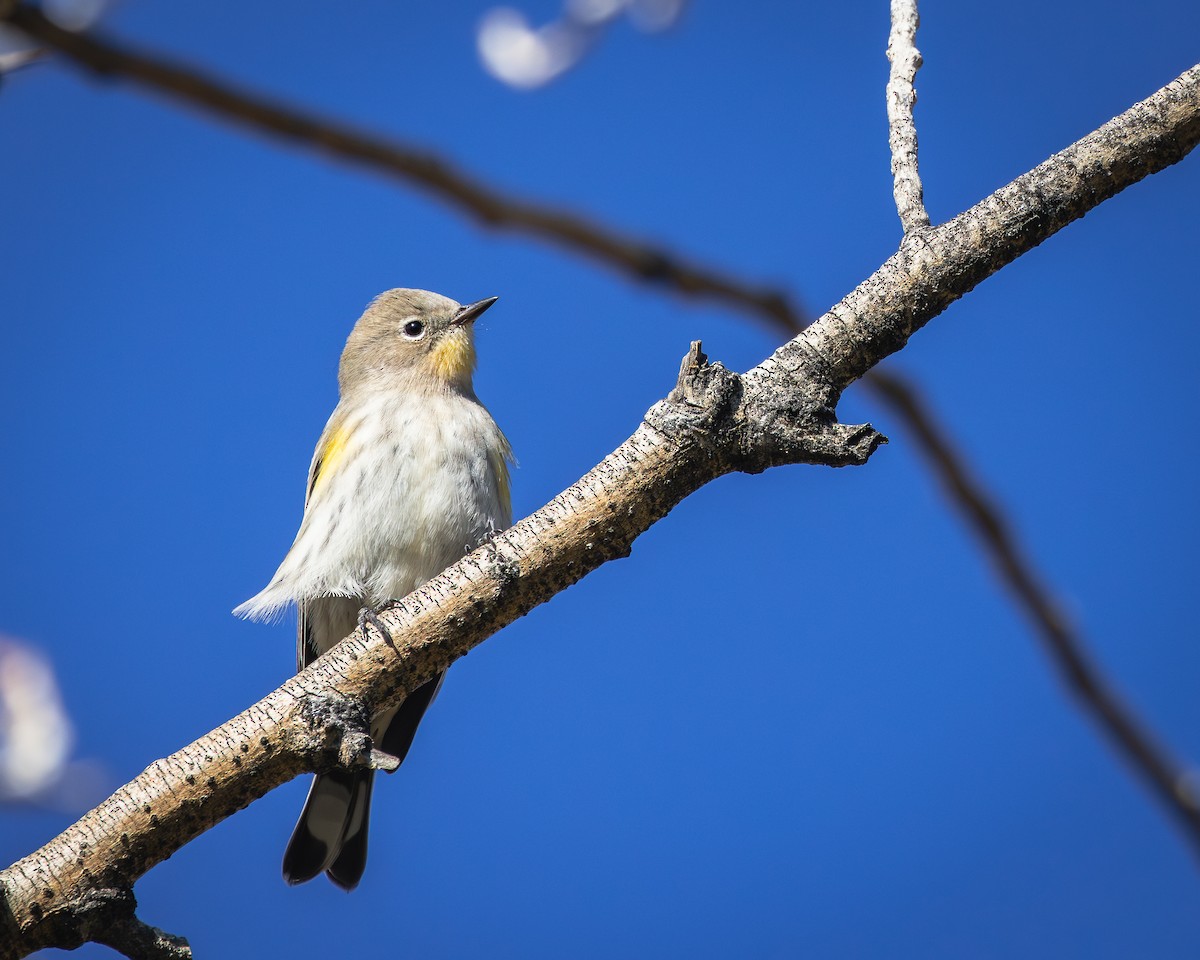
x=410, y=474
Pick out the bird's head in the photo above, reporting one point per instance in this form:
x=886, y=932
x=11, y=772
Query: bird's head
x=412, y=337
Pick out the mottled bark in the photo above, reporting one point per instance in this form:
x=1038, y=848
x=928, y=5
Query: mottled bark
x=905, y=59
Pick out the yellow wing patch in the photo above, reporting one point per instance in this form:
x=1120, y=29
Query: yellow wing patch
x=454, y=358
x=331, y=450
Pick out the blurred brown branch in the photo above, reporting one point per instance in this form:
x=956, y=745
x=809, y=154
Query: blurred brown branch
x=1061, y=641
x=422, y=168
x=638, y=260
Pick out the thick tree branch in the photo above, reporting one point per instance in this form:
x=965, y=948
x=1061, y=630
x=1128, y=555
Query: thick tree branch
x=582, y=236
x=319, y=718
x=934, y=268
x=902, y=132
x=714, y=422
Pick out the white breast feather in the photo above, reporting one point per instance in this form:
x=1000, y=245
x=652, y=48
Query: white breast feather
x=412, y=492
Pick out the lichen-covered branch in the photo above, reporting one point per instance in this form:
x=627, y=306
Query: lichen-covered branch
x=902, y=132
x=714, y=422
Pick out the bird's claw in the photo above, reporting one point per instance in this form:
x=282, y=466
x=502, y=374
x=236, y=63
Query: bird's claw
x=367, y=615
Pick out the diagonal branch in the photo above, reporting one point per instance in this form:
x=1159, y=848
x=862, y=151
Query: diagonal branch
x=639, y=260
x=902, y=132
x=932, y=269
x=426, y=170
x=714, y=422
x=1060, y=639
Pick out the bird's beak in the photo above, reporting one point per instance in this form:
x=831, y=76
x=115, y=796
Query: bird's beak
x=471, y=312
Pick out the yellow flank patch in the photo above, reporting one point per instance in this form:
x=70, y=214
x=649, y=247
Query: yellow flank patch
x=499, y=467
x=454, y=358
x=328, y=455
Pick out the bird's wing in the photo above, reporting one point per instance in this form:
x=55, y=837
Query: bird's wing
x=499, y=457
x=305, y=652
x=330, y=449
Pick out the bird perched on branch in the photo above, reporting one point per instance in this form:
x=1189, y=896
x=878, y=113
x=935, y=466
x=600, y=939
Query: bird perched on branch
x=410, y=474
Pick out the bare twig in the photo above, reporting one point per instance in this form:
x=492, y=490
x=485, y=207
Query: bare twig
x=902, y=132
x=1062, y=642
x=635, y=259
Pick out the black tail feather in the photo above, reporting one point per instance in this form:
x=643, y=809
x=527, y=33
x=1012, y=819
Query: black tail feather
x=347, y=870
x=331, y=834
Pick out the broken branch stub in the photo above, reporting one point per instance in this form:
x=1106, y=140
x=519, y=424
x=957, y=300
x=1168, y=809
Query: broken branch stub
x=751, y=423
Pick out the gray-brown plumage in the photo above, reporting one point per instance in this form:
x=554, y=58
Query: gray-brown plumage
x=410, y=473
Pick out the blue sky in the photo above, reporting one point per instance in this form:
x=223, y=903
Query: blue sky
x=802, y=719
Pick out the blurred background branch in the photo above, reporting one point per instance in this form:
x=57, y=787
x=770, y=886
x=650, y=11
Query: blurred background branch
x=637, y=260
x=1064, y=645
x=421, y=168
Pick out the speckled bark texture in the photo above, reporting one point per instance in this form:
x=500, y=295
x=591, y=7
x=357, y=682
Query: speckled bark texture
x=905, y=59
x=78, y=886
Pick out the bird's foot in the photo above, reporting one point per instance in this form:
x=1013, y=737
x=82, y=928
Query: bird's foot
x=368, y=615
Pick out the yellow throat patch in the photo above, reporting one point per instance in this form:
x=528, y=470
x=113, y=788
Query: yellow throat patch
x=454, y=358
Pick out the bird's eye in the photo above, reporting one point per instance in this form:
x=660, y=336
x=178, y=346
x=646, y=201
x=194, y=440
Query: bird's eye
x=414, y=329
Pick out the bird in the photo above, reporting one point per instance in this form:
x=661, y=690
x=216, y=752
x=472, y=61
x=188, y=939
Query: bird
x=410, y=474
